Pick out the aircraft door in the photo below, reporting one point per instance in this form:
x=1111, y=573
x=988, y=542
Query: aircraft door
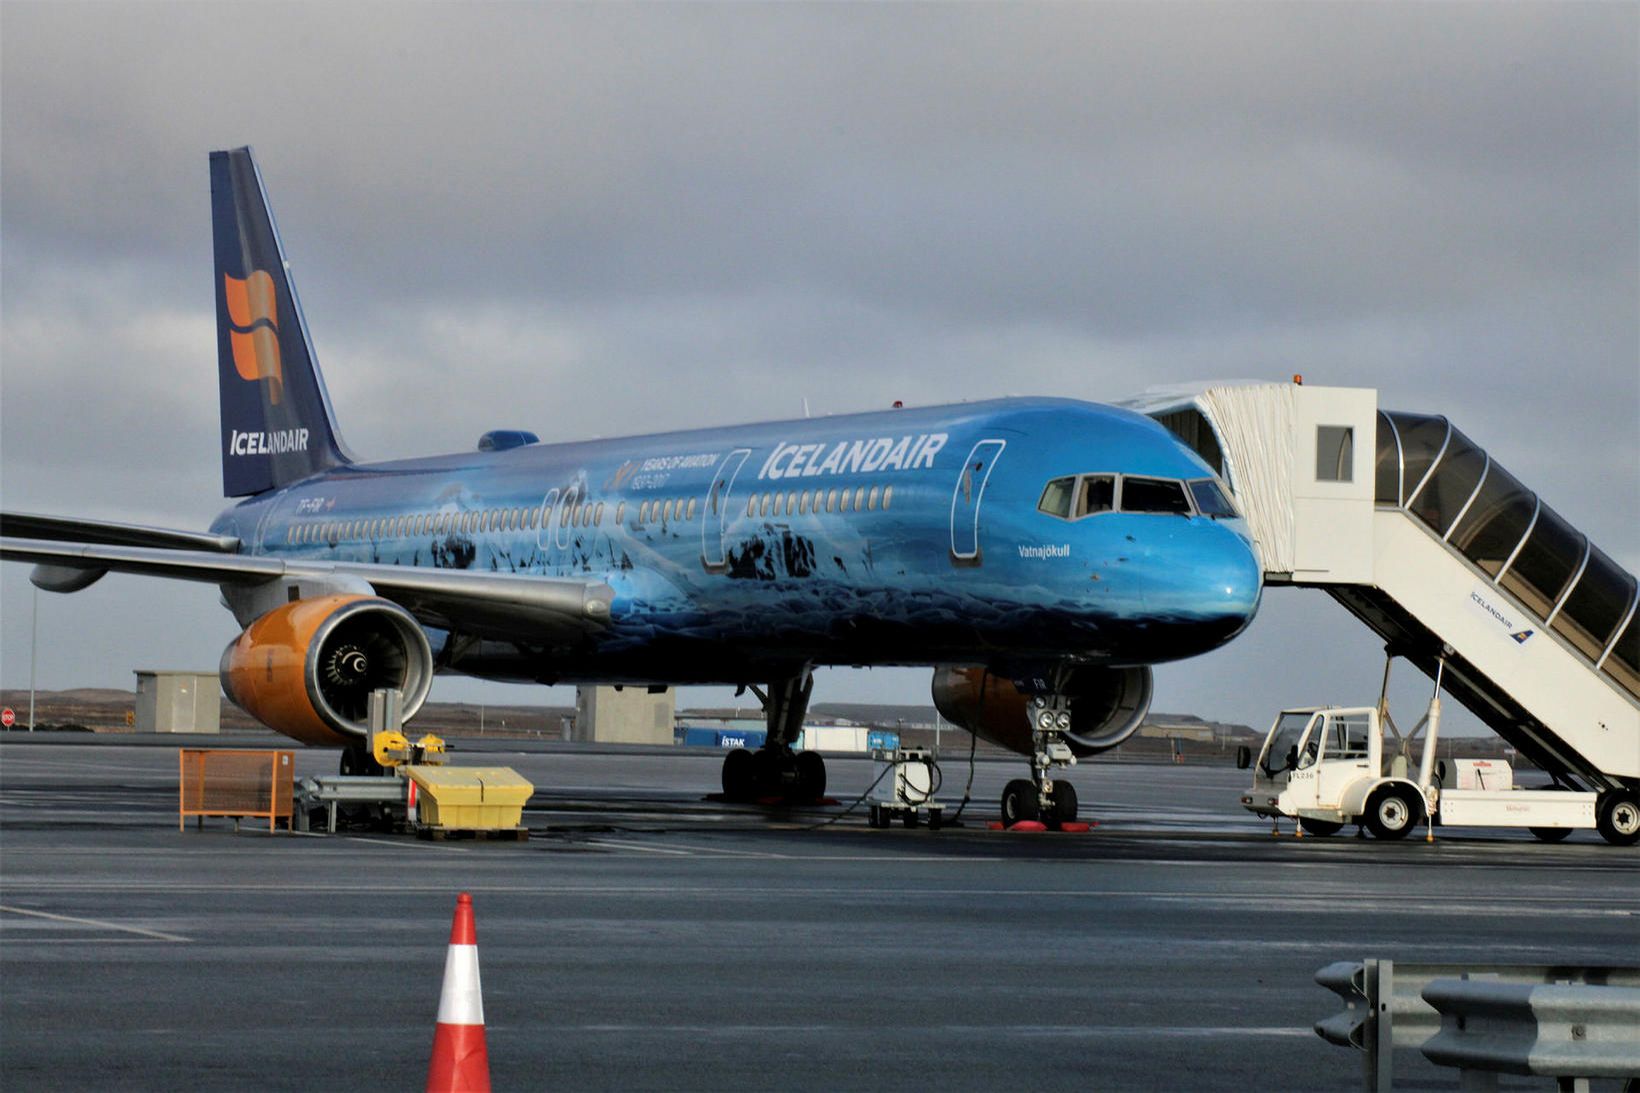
x=718, y=505
x=976, y=471
x=543, y=534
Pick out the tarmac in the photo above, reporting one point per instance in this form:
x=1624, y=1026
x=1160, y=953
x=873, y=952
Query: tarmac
x=648, y=938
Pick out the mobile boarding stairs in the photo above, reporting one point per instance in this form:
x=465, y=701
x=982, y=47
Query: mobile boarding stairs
x=1440, y=551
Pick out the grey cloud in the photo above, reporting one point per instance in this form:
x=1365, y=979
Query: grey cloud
x=612, y=219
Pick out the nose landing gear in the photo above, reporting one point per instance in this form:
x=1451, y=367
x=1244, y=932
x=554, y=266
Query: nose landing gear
x=1043, y=798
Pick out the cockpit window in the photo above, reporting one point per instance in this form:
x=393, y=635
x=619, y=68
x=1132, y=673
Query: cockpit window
x=1210, y=499
x=1056, y=498
x=1098, y=494
x=1154, y=495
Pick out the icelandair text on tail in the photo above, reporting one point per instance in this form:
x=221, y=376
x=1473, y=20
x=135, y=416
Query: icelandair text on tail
x=281, y=440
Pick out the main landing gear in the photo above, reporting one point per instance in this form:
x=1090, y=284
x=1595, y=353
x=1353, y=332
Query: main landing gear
x=1042, y=798
x=775, y=770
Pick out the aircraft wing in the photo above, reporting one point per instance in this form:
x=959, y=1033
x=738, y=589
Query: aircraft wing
x=68, y=529
x=502, y=605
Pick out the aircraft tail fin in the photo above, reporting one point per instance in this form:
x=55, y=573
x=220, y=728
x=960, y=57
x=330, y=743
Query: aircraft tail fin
x=277, y=424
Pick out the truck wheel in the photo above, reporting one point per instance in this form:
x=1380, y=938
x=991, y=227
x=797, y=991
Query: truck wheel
x=1550, y=834
x=1319, y=827
x=1617, y=815
x=1392, y=812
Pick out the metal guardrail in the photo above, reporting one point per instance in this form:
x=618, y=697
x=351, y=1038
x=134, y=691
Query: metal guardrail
x=1387, y=1007
x=332, y=790
x=1568, y=1032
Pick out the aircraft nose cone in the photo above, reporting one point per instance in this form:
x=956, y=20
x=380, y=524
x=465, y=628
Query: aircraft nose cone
x=1233, y=581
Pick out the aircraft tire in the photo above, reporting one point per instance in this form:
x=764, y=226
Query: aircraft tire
x=811, y=776
x=1392, y=812
x=358, y=762
x=1617, y=815
x=739, y=775
x=1319, y=827
x=1064, y=802
x=1019, y=802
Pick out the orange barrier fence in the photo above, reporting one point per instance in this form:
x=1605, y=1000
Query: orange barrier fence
x=226, y=782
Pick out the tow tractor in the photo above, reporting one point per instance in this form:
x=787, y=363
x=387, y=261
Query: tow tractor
x=1328, y=766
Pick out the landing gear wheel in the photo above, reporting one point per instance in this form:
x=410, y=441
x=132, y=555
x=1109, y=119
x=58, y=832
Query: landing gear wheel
x=1064, y=802
x=358, y=762
x=1617, y=815
x=739, y=775
x=1550, y=834
x=1319, y=827
x=766, y=780
x=1392, y=812
x=1019, y=802
x=811, y=777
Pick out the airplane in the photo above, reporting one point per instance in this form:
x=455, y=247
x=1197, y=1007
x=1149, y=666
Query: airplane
x=1039, y=554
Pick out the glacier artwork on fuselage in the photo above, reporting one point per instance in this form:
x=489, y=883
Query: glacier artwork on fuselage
x=1039, y=554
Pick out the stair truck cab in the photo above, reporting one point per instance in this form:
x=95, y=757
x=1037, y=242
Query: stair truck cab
x=1328, y=766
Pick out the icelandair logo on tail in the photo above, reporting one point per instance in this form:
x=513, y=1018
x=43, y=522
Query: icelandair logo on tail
x=254, y=337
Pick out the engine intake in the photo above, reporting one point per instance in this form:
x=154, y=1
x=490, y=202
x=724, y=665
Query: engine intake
x=1107, y=706
x=307, y=669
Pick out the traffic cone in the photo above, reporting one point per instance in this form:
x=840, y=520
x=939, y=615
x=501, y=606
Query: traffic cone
x=461, y=1063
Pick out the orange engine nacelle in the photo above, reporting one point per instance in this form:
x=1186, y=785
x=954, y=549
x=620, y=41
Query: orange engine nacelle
x=1106, y=707
x=307, y=669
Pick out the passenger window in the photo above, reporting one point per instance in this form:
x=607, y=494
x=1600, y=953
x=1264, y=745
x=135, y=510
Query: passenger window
x=620, y=513
x=842, y=501
x=803, y=503
x=666, y=512
x=888, y=496
x=871, y=500
x=1153, y=495
x=751, y=505
x=1056, y=498
x=791, y=503
x=764, y=505
x=831, y=501
x=598, y=514
x=1334, y=453
x=859, y=499
x=1098, y=494
x=691, y=515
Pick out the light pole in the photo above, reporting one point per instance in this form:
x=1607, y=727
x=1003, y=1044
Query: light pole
x=33, y=649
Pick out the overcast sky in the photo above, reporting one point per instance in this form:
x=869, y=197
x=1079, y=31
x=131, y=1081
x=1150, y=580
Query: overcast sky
x=599, y=220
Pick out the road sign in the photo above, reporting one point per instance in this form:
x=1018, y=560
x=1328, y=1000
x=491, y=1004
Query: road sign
x=7, y=717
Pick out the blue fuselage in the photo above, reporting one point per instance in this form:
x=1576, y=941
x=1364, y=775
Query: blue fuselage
x=900, y=537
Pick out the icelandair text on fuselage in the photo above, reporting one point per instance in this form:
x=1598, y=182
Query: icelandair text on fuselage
x=883, y=453
x=281, y=440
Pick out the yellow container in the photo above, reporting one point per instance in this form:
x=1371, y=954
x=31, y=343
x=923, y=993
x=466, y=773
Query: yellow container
x=470, y=798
